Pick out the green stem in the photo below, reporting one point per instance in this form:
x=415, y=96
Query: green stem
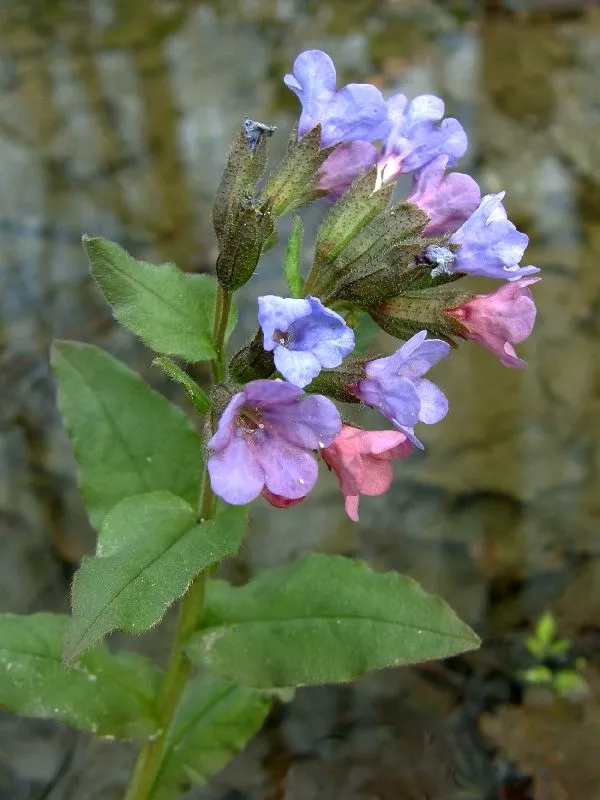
x=191, y=607
x=222, y=309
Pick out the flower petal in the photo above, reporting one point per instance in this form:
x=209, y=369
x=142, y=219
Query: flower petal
x=351, y=506
x=277, y=314
x=344, y=165
x=448, y=200
x=289, y=471
x=271, y=393
x=297, y=367
x=357, y=111
x=395, y=397
x=313, y=422
x=417, y=136
x=313, y=82
x=235, y=474
x=434, y=404
x=489, y=243
x=225, y=428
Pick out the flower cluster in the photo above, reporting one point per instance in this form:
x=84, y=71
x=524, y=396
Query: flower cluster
x=273, y=431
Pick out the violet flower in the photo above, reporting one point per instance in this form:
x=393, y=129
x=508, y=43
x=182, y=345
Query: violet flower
x=304, y=336
x=357, y=111
x=264, y=439
x=343, y=166
x=395, y=386
x=500, y=320
x=490, y=244
x=448, y=199
x=418, y=135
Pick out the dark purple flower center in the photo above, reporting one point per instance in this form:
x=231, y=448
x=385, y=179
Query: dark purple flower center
x=250, y=420
x=281, y=337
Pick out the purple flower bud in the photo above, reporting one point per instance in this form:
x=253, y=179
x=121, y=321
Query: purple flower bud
x=395, y=386
x=490, y=244
x=500, y=320
x=344, y=165
x=304, y=336
x=448, y=200
x=264, y=439
x=355, y=112
x=418, y=135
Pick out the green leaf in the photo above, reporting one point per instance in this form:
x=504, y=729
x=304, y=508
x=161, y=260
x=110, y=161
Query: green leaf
x=127, y=439
x=539, y=675
x=322, y=619
x=559, y=647
x=171, y=311
x=191, y=388
x=291, y=267
x=545, y=630
x=567, y=682
x=213, y=722
x=111, y=695
x=150, y=547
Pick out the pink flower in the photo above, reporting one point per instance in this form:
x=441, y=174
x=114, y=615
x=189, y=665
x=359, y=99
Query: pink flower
x=361, y=462
x=499, y=320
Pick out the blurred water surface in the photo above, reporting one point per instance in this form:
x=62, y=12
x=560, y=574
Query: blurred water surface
x=115, y=118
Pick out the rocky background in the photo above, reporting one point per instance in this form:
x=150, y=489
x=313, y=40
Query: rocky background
x=115, y=117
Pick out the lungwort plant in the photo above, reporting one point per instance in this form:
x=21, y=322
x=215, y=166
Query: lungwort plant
x=169, y=503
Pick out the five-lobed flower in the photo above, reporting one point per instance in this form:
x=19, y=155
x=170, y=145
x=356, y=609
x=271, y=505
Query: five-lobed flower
x=265, y=438
x=395, y=385
x=490, y=244
x=361, y=462
x=418, y=135
x=500, y=320
x=304, y=336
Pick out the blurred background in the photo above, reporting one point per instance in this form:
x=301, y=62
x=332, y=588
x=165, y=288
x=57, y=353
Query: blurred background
x=115, y=119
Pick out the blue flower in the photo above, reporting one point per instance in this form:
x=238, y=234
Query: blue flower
x=418, y=135
x=490, y=244
x=304, y=336
x=395, y=386
x=355, y=112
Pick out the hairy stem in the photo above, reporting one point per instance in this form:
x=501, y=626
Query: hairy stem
x=191, y=608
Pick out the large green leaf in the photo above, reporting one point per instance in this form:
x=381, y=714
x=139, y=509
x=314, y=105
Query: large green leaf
x=127, y=438
x=170, y=310
x=111, y=695
x=150, y=547
x=323, y=619
x=213, y=722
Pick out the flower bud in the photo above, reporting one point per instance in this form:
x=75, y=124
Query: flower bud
x=243, y=226
x=499, y=320
x=294, y=182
